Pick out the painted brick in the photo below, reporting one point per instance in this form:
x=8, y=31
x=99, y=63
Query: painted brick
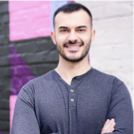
x=4, y=83
x=21, y=5
x=119, y=10
x=45, y=44
x=34, y=45
x=106, y=37
x=24, y=30
x=4, y=104
x=4, y=115
x=19, y=70
x=4, y=39
x=42, y=57
x=4, y=94
x=112, y=52
x=4, y=29
x=107, y=9
x=41, y=69
x=38, y=12
x=120, y=23
x=27, y=22
x=5, y=18
x=53, y=56
x=26, y=47
x=4, y=68
x=4, y=50
x=4, y=7
x=4, y=61
x=4, y=125
x=4, y=71
x=34, y=59
x=1, y=2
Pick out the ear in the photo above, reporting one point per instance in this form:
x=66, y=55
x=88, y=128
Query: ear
x=53, y=37
x=93, y=35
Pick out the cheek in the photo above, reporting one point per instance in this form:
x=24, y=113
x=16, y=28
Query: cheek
x=87, y=38
x=61, y=39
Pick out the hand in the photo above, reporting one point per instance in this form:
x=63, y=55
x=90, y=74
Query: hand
x=108, y=126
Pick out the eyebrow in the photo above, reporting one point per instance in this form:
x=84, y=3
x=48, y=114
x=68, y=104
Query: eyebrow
x=76, y=27
x=62, y=27
x=82, y=27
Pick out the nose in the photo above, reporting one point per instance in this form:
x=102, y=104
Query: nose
x=72, y=36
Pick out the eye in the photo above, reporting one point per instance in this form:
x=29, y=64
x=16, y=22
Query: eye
x=64, y=30
x=81, y=30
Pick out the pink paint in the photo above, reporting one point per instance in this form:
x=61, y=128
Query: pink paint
x=20, y=75
x=29, y=19
x=12, y=106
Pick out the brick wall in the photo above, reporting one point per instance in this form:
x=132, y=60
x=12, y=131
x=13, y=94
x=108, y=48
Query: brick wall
x=112, y=49
x=26, y=49
x=4, y=68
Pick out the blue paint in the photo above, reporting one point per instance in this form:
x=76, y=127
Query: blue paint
x=54, y=6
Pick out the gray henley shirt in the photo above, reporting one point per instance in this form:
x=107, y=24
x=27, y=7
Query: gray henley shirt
x=48, y=105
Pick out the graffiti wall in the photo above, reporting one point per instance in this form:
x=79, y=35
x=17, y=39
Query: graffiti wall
x=26, y=49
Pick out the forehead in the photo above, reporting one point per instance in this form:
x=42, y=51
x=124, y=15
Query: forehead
x=73, y=19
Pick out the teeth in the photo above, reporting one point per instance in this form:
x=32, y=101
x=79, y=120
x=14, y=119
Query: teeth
x=73, y=46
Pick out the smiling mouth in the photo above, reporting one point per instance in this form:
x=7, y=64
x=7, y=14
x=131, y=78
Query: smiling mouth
x=73, y=46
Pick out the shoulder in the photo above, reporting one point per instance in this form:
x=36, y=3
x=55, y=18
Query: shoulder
x=110, y=82
x=48, y=77
x=38, y=83
x=113, y=87
x=101, y=76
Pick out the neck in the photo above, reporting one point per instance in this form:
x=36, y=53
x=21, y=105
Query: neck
x=67, y=70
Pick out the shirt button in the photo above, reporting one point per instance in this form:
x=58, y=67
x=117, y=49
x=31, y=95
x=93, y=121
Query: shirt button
x=72, y=100
x=72, y=90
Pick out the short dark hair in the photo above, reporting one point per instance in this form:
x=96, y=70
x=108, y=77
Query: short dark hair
x=71, y=7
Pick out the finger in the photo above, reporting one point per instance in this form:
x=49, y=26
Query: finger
x=111, y=127
x=107, y=125
x=103, y=129
x=107, y=121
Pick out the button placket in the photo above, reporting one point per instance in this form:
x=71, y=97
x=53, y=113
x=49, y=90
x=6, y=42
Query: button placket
x=72, y=97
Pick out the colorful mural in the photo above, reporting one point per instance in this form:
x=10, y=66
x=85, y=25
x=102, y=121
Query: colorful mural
x=27, y=50
x=20, y=75
x=28, y=20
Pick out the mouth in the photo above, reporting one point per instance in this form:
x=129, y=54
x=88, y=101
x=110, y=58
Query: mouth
x=73, y=47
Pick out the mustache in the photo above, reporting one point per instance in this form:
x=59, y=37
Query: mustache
x=73, y=43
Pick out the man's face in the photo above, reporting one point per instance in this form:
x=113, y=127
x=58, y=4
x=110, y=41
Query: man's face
x=73, y=35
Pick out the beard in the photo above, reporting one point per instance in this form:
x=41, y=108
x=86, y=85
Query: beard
x=81, y=57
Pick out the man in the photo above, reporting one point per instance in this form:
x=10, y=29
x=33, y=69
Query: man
x=74, y=98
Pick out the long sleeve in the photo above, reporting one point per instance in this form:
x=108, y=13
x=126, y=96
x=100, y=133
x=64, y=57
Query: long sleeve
x=120, y=109
x=24, y=119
